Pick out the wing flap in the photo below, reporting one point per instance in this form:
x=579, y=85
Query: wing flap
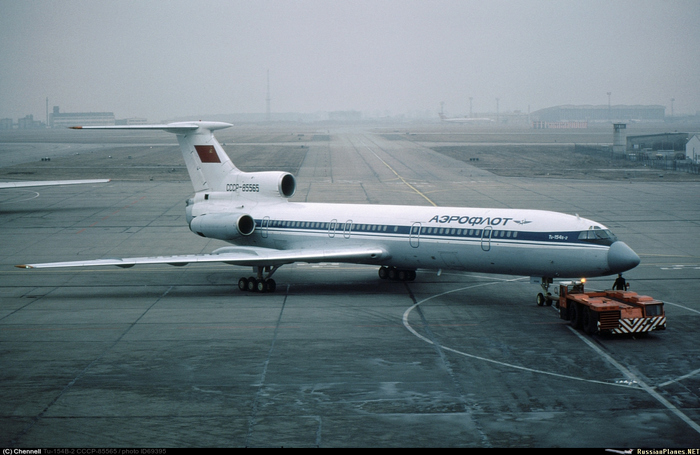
x=244, y=256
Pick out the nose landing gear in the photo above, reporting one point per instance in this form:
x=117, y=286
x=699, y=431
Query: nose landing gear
x=544, y=298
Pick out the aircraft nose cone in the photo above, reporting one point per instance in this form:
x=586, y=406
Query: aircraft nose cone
x=621, y=258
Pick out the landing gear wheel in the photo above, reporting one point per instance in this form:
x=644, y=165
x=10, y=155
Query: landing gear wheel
x=394, y=274
x=262, y=283
x=540, y=299
x=252, y=284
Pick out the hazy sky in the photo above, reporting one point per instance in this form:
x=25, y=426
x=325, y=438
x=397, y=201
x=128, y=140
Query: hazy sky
x=164, y=59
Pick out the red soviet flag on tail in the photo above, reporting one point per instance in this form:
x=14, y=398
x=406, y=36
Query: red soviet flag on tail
x=207, y=154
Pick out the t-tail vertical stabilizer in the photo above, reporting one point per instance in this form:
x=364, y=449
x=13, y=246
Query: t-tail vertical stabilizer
x=206, y=161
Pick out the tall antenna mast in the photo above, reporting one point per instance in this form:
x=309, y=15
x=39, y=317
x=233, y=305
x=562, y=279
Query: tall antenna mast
x=267, y=112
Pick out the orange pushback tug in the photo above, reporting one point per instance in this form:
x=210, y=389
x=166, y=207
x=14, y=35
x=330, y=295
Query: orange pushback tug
x=608, y=311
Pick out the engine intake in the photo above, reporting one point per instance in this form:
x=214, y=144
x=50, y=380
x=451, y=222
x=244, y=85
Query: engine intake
x=288, y=185
x=223, y=226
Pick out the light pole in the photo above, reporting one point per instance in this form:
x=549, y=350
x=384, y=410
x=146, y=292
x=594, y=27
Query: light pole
x=672, y=100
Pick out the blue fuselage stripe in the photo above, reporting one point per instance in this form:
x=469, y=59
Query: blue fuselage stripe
x=422, y=231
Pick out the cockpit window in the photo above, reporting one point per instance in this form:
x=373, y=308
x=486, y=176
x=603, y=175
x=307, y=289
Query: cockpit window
x=599, y=236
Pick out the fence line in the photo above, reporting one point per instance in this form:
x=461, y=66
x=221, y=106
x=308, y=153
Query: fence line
x=664, y=163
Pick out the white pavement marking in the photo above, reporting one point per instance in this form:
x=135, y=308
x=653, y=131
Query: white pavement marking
x=633, y=379
x=517, y=367
x=631, y=376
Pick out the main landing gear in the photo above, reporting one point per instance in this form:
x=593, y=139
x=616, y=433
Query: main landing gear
x=394, y=274
x=260, y=283
x=264, y=283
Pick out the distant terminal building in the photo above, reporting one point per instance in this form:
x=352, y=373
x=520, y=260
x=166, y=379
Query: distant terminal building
x=539, y=125
x=131, y=121
x=600, y=113
x=64, y=119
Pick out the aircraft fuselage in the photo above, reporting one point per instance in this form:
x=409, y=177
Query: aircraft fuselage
x=505, y=241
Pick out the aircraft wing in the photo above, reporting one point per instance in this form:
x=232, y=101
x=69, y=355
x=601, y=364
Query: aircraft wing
x=49, y=183
x=244, y=256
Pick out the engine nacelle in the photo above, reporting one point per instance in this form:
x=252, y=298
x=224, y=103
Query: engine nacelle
x=189, y=205
x=268, y=184
x=223, y=226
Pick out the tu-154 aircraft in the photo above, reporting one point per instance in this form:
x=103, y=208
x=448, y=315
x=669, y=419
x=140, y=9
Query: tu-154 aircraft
x=252, y=211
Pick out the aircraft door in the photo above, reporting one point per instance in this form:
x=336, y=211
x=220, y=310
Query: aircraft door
x=264, y=226
x=486, y=238
x=348, y=229
x=331, y=228
x=414, y=235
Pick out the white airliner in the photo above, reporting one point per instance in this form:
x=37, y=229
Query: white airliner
x=465, y=119
x=49, y=183
x=251, y=211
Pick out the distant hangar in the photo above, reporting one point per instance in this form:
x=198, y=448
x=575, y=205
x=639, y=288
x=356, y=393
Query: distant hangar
x=59, y=119
x=601, y=113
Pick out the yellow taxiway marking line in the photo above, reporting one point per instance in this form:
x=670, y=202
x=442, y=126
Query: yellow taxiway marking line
x=401, y=178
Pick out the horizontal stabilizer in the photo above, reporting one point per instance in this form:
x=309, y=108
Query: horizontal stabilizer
x=176, y=128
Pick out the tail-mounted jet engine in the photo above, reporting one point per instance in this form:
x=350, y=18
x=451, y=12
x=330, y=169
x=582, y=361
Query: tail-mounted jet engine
x=268, y=184
x=223, y=226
